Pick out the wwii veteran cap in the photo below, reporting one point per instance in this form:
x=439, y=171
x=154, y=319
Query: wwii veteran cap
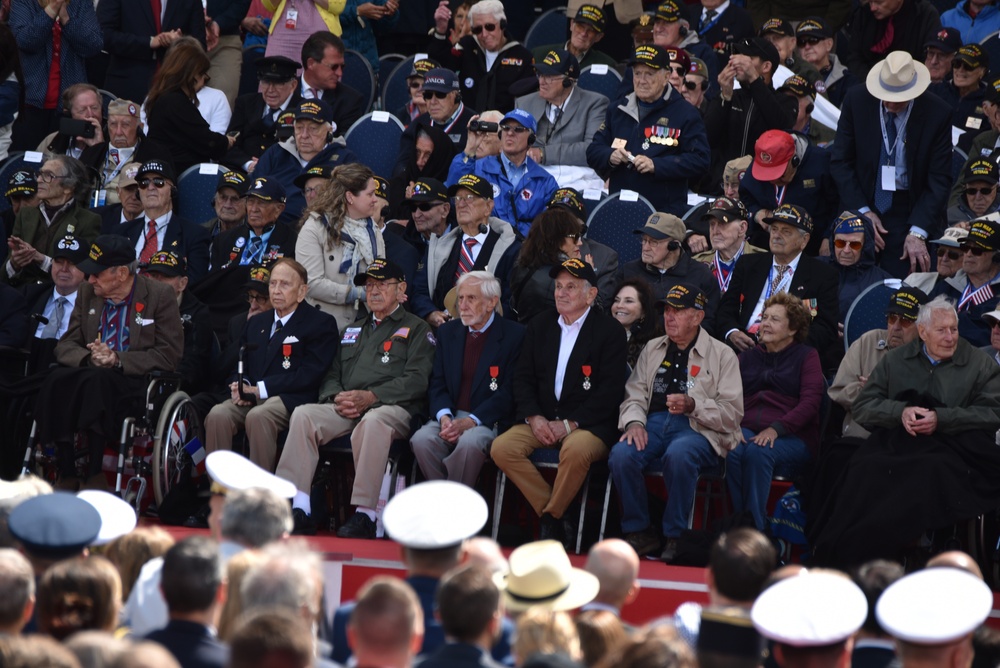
x=668, y=11
x=434, y=515
x=54, y=526
x=166, y=264
x=381, y=270
x=232, y=471
x=231, y=179
x=791, y=214
x=726, y=210
x=276, y=68
x=314, y=172
x=440, y=80
x=776, y=26
x=810, y=610
x=813, y=27
x=21, y=183
x=559, y=61
x=569, y=199
x=982, y=169
x=475, y=184
x=973, y=55
x=663, y=226
x=108, y=250
x=161, y=167
x=849, y=222
x=683, y=296
x=117, y=517
x=69, y=247
x=267, y=189
x=428, y=190
x=577, y=269
x=650, y=55
x=591, y=15
x=421, y=67
x=984, y=234
x=935, y=606
x=259, y=278
x=799, y=87
x=907, y=302
x=314, y=110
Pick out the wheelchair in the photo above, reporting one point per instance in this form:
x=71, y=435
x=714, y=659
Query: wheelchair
x=151, y=445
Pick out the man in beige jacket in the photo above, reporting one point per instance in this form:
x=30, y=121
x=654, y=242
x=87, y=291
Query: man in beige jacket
x=682, y=411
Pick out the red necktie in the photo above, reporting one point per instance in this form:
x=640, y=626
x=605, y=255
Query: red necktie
x=149, y=248
x=465, y=262
x=157, y=9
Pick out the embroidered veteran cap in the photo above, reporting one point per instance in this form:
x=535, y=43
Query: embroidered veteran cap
x=668, y=11
x=569, y=199
x=381, y=270
x=165, y=263
x=726, y=210
x=429, y=190
x=421, y=67
x=948, y=40
x=907, y=302
x=983, y=234
x=813, y=27
x=440, y=80
x=973, y=55
x=258, y=280
x=161, y=167
x=776, y=26
x=69, y=247
x=651, y=56
x=477, y=185
x=559, y=61
x=267, y=189
x=591, y=15
x=791, y=214
x=108, y=250
x=982, y=169
x=314, y=172
x=231, y=179
x=21, y=183
x=314, y=110
x=576, y=268
x=684, y=296
x=849, y=222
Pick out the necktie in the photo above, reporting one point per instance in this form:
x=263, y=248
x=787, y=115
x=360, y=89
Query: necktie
x=883, y=198
x=779, y=273
x=269, y=117
x=52, y=328
x=710, y=15
x=253, y=250
x=277, y=328
x=311, y=93
x=149, y=247
x=475, y=335
x=375, y=322
x=465, y=262
x=157, y=9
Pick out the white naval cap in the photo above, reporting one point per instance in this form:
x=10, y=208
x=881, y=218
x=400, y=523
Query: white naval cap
x=810, y=610
x=434, y=515
x=935, y=606
x=117, y=517
x=235, y=472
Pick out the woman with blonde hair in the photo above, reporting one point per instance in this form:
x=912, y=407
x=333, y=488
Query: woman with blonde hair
x=543, y=631
x=236, y=571
x=338, y=239
x=130, y=552
x=601, y=634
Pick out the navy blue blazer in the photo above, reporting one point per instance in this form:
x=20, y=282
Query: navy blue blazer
x=458, y=655
x=314, y=344
x=501, y=350
x=182, y=237
x=191, y=644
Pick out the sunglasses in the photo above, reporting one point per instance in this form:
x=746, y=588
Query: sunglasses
x=260, y=299
x=950, y=252
x=690, y=85
x=679, y=71
x=158, y=182
x=962, y=65
x=427, y=206
x=995, y=324
x=428, y=94
x=979, y=191
x=807, y=41
x=575, y=237
x=490, y=27
x=844, y=243
x=516, y=129
x=976, y=252
x=893, y=318
x=416, y=84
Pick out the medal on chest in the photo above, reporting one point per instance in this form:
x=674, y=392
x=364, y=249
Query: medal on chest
x=586, y=376
x=649, y=133
x=494, y=374
x=286, y=351
x=138, y=313
x=694, y=373
x=385, y=351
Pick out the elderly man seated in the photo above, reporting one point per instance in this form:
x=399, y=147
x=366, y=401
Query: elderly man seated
x=682, y=411
x=974, y=287
x=979, y=194
x=377, y=382
x=949, y=258
x=125, y=146
x=933, y=406
x=728, y=222
x=123, y=326
x=261, y=239
x=854, y=258
x=229, y=205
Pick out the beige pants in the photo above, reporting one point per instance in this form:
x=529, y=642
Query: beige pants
x=227, y=61
x=313, y=425
x=261, y=423
x=576, y=453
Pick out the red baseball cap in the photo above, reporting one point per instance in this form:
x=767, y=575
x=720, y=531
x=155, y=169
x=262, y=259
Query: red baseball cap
x=772, y=152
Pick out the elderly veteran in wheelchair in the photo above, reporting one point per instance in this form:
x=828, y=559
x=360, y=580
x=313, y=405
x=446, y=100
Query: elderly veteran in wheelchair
x=123, y=327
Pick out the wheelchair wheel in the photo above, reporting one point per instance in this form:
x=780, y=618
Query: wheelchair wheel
x=178, y=423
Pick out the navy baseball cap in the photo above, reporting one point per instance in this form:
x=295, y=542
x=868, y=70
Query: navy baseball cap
x=440, y=80
x=267, y=189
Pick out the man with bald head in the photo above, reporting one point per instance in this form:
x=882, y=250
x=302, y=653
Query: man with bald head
x=616, y=566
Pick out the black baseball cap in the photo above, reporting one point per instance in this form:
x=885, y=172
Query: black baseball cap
x=108, y=250
x=791, y=214
x=814, y=27
x=948, y=40
x=651, y=56
x=983, y=234
x=267, y=189
x=440, y=80
x=236, y=180
x=593, y=16
x=569, y=199
x=314, y=110
x=314, y=172
x=668, y=11
x=683, y=296
x=907, y=302
x=798, y=86
x=381, y=187
x=422, y=67
x=777, y=26
x=559, y=61
x=259, y=278
x=71, y=248
x=982, y=169
x=276, y=68
x=726, y=210
x=475, y=184
x=576, y=268
x=428, y=190
x=381, y=270
x=161, y=167
x=973, y=55
x=760, y=48
x=22, y=183
x=166, y=263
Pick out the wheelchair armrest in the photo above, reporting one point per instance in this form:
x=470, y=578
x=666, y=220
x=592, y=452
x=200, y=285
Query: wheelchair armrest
x=163, y=375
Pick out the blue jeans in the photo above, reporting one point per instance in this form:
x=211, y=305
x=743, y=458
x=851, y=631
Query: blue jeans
x=680, y=453
x=750, y=467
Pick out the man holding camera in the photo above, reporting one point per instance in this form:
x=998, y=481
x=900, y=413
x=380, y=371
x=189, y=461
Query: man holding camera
x=82, y=128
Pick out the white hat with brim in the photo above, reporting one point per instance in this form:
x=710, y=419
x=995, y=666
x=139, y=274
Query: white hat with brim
x=236, y=472
x=117, y=517
x=952, y=237
x=541, y=574
x=935, y=606
x=810, y=610
x=898, y=78
x=434, y=515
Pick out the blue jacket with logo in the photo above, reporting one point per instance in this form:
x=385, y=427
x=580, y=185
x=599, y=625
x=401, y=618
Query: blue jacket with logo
x=516, y=203
x=976, y=29
x=688, y=158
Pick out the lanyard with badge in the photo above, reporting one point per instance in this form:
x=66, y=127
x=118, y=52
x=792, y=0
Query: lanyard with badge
x=100, y=196
x=291, y=16
x=722, y=277
x=888, y=170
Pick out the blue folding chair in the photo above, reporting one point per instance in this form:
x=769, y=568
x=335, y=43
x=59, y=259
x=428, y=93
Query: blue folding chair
x=196, y=188
x=590, y=204
x=375, y=139
x=613, y=221
x=867, y=312
x=551, y=27
x=359, y=75
x=604, y=81
x=991, y=45
x=958, y=158
x=14, y=162
x=395, y=92
x=387, y=62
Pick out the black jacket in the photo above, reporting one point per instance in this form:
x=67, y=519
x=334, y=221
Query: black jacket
x=481, y=88
x=192, y=644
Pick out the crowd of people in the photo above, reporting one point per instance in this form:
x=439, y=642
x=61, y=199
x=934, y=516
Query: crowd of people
x=795, y=155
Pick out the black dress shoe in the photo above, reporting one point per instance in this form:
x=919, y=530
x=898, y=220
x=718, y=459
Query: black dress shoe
x=359, y=526
x=551, y=528
x=305, y=525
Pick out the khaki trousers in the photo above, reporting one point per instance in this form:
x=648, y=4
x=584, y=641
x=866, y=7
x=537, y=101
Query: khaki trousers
x=261, y=423
x=227, y=61
x=576, y=453
x=313, y=425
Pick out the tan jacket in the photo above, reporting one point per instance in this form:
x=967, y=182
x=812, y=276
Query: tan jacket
x=860, y=360
x=717, y=391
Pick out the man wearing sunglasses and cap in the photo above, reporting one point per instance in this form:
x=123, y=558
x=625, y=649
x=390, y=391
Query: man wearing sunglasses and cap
x=979, y=195
x=586, y=31
x=853, y=256
x=983, y=144
x=891, y=159
x=229, y=205
x=964, y=90
x=815, y=41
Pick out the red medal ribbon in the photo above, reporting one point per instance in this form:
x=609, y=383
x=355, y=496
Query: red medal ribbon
x=494, y=371
x=139, y=306
x=386, y=346
x=286, y=350
x=694, y=371
x=649, y=132
x=586, y=369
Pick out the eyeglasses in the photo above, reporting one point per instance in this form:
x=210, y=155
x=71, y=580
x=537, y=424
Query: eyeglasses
x=310, y=191
x=843, y=243
x=379, y=285
x=158, y=182
x=962, y=65
x=515, y=129
x=228, y=199
x=427, y=206
x=672, y=244
x=951, y=253
x=428, y=94
x=892, y=318
x=416, y=84
x=980, y=191
x=252, y=297
x=489, y=27
x=49, y=177
x=807, y=41
x=465, y=199
x=333, y=66
x=690, y=85
x=995, y=324
x=976, y=252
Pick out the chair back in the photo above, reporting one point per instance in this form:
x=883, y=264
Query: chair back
x=375, y=139
x=600, y=79
x=359, y=75
x=867, y=312
x=15, y=161
x=195, y=189
x=614, y=219
x=551, y=27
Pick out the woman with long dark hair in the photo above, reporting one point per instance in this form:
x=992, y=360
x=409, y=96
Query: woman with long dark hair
x=555, y=236
x=634, y=307
x=172, y=108
x=338, y=239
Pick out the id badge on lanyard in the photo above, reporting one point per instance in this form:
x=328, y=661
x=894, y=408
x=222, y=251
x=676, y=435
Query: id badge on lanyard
x=291, y=17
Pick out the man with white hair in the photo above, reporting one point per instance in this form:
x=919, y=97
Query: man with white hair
x=125, y=146
x=933, y=407
x=488, y=61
